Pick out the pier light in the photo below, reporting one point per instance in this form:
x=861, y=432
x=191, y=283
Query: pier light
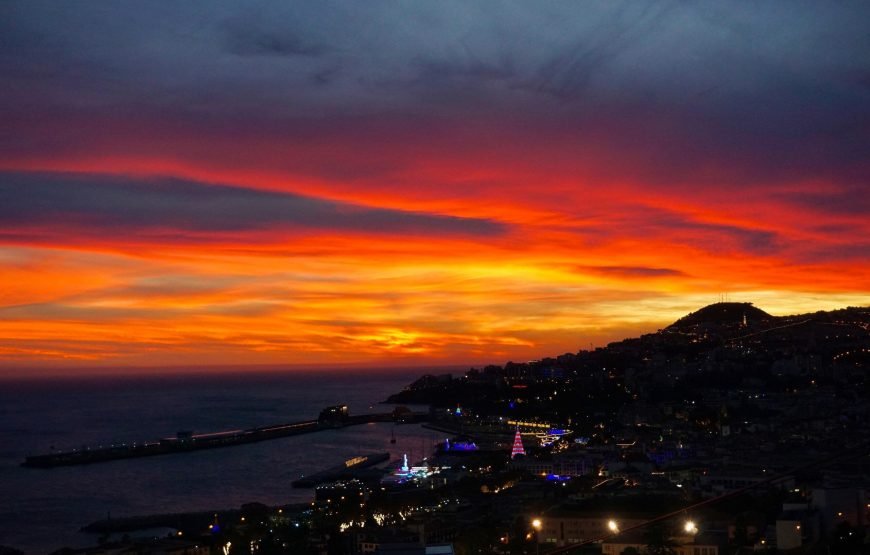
x=613, y=526
x=690, y=527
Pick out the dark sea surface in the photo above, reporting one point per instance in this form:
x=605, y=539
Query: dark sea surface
x=42, y=509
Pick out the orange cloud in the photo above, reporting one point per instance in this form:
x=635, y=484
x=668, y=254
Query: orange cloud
x=467, y=251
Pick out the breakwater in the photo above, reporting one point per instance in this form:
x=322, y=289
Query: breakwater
x=187, y=441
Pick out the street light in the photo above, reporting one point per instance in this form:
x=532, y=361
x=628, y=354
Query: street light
x=537, y=525
x=613, y=526
x=690, y=527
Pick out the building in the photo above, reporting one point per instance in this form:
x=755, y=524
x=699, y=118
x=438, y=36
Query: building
x=564, y=528
x=701, y=544
x=561, y=466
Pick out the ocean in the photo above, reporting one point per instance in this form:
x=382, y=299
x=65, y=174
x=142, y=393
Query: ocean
x=42, y=510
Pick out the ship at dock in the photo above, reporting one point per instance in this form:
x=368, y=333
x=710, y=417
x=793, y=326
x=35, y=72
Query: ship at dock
x=347, y=471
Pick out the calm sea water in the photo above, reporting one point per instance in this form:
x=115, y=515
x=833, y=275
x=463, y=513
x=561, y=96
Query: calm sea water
x=42, y=510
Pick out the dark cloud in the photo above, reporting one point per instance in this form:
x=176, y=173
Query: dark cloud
x=719, y=237
x=847, y=250
x=65, y=311
x=679, y=228
x=261, y=44
x=756, y=91
x=433, y=71
x=125, y=204
x=851, y=201
x=630, y=271
x=243, y=38
x=578, y=50
x=567, y=74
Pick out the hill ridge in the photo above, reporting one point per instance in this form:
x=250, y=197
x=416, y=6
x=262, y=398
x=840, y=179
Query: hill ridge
x=723, y=313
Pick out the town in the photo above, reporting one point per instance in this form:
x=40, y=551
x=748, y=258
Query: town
x=730, y=431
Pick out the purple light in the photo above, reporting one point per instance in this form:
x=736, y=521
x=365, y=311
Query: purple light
x=463, y=446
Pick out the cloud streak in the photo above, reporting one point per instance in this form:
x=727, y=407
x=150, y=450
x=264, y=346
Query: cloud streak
x=100, y=204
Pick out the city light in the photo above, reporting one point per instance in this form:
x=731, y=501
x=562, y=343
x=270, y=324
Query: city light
x=536, y=524
x=690, y=527
x=613, y=526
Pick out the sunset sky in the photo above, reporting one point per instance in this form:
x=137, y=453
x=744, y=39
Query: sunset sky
x=382, y=183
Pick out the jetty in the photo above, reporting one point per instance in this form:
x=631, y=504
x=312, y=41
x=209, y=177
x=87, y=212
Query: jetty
x=330, y=418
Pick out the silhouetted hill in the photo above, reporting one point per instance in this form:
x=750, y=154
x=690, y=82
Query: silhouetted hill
x=723, y=314
x=712, y=346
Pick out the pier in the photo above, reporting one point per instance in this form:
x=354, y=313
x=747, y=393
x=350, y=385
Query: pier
x=330, y=418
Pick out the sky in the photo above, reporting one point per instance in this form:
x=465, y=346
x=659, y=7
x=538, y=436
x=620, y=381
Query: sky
x=382, y=183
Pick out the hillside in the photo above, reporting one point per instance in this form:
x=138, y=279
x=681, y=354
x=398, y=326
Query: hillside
x=731, y=345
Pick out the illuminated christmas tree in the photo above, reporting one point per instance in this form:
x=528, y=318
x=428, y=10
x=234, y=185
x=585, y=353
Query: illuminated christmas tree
x=518, y=445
